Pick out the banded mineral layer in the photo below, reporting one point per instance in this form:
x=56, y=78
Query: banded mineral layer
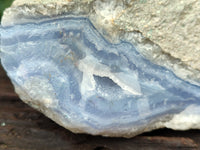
x=92, y=72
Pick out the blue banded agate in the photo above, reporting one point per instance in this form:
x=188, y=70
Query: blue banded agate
x=69, y=71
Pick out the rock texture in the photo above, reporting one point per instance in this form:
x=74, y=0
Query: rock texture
x=97, y=66
x=170, y=29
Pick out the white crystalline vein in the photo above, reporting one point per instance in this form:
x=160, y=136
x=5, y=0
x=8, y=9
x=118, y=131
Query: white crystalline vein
x=91, y=66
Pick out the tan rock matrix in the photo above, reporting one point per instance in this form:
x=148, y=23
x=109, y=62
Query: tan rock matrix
x=166, y=32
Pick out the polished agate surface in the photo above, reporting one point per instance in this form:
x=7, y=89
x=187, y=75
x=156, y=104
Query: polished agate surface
x=69, y=71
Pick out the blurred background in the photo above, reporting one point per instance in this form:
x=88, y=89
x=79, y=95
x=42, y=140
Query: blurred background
x=4, y=4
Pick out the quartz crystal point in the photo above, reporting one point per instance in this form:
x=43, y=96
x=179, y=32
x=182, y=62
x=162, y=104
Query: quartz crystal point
x=68, y=70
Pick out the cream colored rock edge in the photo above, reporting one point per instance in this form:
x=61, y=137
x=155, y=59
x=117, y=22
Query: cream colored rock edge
x=166, y=32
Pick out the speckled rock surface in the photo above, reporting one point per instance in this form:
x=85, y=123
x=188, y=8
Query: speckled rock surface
x=170, y=29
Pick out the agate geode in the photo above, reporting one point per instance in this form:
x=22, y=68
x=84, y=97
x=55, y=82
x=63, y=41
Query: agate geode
x=67, y=69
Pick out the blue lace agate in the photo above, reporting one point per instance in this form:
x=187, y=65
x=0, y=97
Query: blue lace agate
x=70, y=72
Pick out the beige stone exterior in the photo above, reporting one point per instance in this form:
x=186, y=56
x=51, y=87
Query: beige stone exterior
x=174, y=26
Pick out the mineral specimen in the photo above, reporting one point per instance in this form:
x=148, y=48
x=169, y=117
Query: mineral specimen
x=87, y=80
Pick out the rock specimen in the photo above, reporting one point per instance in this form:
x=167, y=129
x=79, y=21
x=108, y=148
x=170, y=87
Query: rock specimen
x=86, y=65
